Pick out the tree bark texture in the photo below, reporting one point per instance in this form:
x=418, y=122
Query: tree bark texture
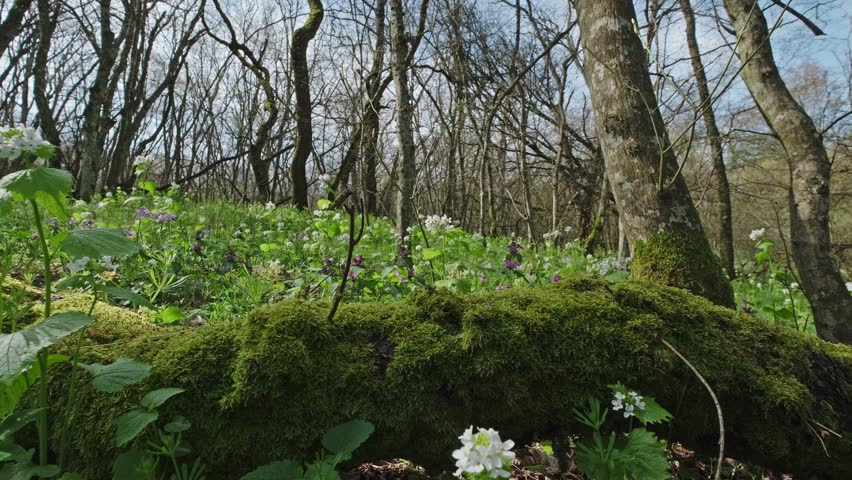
x=302, y=88
x=659, y=216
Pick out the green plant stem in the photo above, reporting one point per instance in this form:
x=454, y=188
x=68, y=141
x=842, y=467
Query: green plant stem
x=42, y=355
x=73, y=404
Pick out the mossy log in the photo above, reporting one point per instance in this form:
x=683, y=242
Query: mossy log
x=521, y=360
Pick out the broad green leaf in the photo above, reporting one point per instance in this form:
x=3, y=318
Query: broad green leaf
x=430, y=253
x=343, y=439
x=12, y=391
x=71, y=282
x=70, y=476
x=276, y=471
x=131, y=465
x=645, y=456
x=26, y=471
x=171, y=315
x=19, y=349
x=114, y=377
x=595, y=461
x=179, y=424
x=18, y=420
x=617, y=277
x=125, y=294
x=156, y=398
x=323, y=203
x=148, y=186
x=99, y=242
x=322, y=470
x=48, y=186
x=131, y=424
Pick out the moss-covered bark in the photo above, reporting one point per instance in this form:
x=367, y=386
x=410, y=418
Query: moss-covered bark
x=517, y=360
x=683, y=260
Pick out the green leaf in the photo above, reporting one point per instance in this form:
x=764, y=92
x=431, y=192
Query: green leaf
x=131, y=465
x=125, y=294
x=70, y=476
x=19, y=349
x=617, y=277
x=26, y=471
x=645, y=456
x=653, y=412
x=114, y=377
x=99, y=242
x=179, y=424
x=323, y=203
x=287, y=469
x=12, y=391
x=18, y=420
x=430, y=253
x=171, y=315
x=343, y=439
x=48, y=186
x=148, y=186
x=158, y=397
x=322, y=470
x=131, y=424
x=596, y=462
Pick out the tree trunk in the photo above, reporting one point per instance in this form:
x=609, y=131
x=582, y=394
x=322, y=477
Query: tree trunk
x=660, y=220
x=46, y=26
x=810, y=174
x=399, y=69
x=93, y=125
x=714, y=138
x=301, y=79
x=13, y=24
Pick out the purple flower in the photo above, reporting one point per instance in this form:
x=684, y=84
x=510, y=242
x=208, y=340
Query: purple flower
x=514, y=247
x=399, y=276
x=166, y=218
x=358, y=261
x=555, y=279
x=53, y=223
x=410, y=272
x=130, y=233
x=34, y=235
x=325, y=270
x=746, y=308
x=511, y=264
x=403, y=254
x=231, y=257
x=196, y=247
x=566, y=260
x=504, y=287
x=202, y=234
x=144, y=213
x=72, y=221
x=353, y=276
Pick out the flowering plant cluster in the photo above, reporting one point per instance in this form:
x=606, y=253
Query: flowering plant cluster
x=483, y=455
x=15, y=142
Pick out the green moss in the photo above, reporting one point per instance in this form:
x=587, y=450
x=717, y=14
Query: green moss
x=683, y=260
x=425, y=368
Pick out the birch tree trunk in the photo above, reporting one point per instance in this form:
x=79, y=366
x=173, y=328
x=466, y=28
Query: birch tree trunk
x=659, y=217
x=301, y=79
x=714, y=138
x=810, y=174
x=399, y=69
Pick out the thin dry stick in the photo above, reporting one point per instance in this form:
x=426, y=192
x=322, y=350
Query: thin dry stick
x=715, y=401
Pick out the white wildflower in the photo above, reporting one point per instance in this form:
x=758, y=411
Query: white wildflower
x=106, y=262
x=269, y=205
x=629, y=403
x=483, y=452
x=756, y=235
x=77, y=265
x=437, y=224
x=794, y=286
x=849, y=286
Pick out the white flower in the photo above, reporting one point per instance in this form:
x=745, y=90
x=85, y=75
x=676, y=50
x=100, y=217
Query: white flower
x=794, y=285
x=483, y=452
x=77, y=265
x=785, y=291
x=80, y=203
x=325, y=178
x=756, y=235
x=269, y=205
x=629, y=403
x=437, y=224
x=15, y=141
x=552, y=235
x=849, y=286
x=106, y=262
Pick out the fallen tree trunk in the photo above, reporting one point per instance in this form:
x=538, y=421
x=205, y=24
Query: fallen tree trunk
x=519, y=360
